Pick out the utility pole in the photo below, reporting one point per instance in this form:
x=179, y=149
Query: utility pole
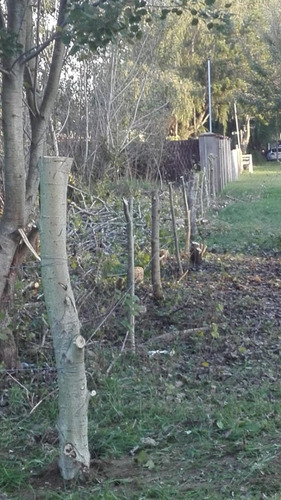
x=237, y=127
x=210, y=95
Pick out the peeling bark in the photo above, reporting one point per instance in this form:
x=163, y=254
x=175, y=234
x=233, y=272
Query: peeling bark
x=63, y=318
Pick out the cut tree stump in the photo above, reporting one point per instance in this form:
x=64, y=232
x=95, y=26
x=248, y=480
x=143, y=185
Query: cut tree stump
x=197, y=253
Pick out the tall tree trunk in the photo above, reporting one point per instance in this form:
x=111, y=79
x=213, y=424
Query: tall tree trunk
x=21, y=179
x=63, y=319
x=14, y=161
x=14, y=174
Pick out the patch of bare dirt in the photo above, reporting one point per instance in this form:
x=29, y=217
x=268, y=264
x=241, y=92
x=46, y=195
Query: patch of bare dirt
x=120, y=472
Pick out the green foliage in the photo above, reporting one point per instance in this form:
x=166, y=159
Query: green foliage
x=112, y=265
x=142, y=257
x=240, y=53
x=9, y=46
x=183, y=54
x=97, y=24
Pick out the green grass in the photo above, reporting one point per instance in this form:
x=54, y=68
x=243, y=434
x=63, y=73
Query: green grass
x=212, y=438
x=212, y=406
x=251, y=219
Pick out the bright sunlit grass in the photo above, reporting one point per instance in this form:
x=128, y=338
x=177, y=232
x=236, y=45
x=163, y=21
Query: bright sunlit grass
x=251, y=216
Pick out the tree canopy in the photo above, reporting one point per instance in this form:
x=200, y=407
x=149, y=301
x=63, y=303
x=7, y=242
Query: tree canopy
x=173, y=65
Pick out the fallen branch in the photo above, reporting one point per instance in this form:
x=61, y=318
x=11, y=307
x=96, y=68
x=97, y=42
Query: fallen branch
x=171, y=336
x=183, y=275
x=236, y=199
x=119, y=355
x=27, y=242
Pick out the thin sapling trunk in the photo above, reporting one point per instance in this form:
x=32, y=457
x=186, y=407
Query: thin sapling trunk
x=155, y=247
x=174, y=224
x=193, y=195
x=128, y=211
x=187, y=220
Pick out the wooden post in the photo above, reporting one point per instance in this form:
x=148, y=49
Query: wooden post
x=193, y=195
x=155, y=247
x=128, y=211
x=187, y=220
x=177, y=250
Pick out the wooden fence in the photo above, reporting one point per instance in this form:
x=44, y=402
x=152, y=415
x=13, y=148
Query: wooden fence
x=181, y=158
x=211, y=154
x=206, y=165
x=219, y=164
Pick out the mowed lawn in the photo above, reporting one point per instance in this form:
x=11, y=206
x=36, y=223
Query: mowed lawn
x=251, y=219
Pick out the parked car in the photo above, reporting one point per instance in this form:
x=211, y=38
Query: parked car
x=271, y=154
